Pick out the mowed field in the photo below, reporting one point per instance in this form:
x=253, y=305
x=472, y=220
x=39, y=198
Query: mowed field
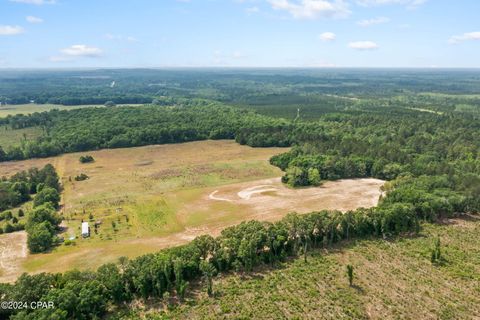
x=147, y=198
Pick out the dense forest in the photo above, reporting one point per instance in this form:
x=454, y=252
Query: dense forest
x=118, y=127
x=242, y=86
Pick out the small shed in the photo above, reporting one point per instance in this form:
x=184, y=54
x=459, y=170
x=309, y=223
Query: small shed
x=85, y=230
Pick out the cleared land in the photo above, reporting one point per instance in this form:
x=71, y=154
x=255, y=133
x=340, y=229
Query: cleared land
x=13, y=252
x=393, y=280
x=148, y=198
x=13, y=109
x=10, y=138
x=269, y=199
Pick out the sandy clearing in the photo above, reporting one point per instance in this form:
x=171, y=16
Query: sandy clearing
x=269, y=196
x=269, y=200
x=13, y=251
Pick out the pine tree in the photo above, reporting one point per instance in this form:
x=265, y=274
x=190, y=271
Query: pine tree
x=350, y=274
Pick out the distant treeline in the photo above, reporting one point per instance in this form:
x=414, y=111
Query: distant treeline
x=256, y=87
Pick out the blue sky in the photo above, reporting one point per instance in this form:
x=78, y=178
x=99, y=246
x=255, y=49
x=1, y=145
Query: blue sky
x=239, y=33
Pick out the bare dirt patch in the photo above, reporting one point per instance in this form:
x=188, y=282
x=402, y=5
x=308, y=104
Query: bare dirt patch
x=270, y=199
x=267, y=200
x=13, y=251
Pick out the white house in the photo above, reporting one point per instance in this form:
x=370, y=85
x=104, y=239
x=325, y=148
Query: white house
x=85, y=230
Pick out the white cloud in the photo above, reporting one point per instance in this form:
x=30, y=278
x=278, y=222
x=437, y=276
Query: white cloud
x=35, y=2
x=312, y=9
x=465, y=37
x=10, y=30
x=81, y=50
x=363, y=45
x=371, y=22
x=327, y=36
x=33, y=19
x=252, y=10
x=410, y=4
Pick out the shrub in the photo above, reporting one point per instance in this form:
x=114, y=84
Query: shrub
x=81, y=177
x=8, y=228
x=69, y=242
x=110, y=104
x=86, y=159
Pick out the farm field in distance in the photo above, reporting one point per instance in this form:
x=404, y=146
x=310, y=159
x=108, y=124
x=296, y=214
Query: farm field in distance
x=13, y=109
x=151, y=197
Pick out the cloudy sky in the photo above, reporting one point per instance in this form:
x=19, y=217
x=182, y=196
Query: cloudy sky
x=239, y=33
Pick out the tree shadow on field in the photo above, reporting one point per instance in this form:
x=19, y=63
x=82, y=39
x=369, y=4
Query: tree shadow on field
x=459, y=218
x=358, y=288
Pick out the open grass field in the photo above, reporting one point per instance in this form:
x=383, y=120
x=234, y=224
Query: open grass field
x=13, y=109
x=10, y=138
x=147, y=198
x=393, y=280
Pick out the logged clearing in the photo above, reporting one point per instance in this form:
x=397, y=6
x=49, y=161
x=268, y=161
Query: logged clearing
x=147, y=198
x=393, y=280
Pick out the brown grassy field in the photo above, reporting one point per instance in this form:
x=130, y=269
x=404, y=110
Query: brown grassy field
x=152, y=197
